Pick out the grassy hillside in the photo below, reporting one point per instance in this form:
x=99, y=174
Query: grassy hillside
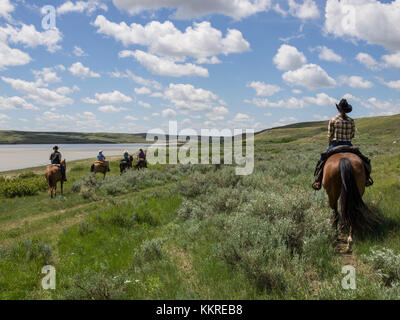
x=28, y=137
x=187, y=232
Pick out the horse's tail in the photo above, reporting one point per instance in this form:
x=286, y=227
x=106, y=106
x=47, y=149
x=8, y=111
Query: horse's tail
x=354, y=212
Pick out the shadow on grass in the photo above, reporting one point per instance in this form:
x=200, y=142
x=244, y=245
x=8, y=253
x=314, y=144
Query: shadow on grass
x=382, y=230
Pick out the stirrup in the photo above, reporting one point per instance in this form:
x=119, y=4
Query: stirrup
x=316, y=185
x=369, y=182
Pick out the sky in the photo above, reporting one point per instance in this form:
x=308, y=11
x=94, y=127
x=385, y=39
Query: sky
x=133, y=65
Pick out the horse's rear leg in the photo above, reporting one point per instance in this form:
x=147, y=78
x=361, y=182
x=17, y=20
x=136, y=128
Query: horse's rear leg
x=335, y=221
x=350, y=240
x=61, y=186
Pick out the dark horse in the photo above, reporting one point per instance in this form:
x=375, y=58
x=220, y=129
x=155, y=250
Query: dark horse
x=53, y=175
x=344, y=177
x=141, y=164
x=125, y=164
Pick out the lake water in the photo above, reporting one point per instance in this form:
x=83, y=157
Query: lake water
x=22, y=156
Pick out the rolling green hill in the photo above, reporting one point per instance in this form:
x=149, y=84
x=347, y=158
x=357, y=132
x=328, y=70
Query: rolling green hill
x=30, y=137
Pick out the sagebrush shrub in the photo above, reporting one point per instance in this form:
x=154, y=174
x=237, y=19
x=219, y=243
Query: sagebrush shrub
x=153, y=249
x=386, y=264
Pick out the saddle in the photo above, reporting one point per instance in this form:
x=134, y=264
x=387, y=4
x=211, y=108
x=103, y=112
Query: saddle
x=341, y=149
x=102, y=163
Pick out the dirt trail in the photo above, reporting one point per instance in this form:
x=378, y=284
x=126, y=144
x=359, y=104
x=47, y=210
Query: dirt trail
x=350, y=258
x=59, y=225
x=183, y=262
x=27, y=220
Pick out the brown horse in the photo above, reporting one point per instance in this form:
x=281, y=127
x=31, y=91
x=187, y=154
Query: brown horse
x=101, y=166
x=53, y=175
x=344, y=177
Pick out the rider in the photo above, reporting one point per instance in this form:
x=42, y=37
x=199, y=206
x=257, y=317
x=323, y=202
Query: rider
x=142, y=157
x=341, y=131
x=126, y=155
x=55, y=158
x=100, y=156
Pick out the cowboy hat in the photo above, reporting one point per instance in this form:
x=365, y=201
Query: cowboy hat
x=100, y=151
x=343, y=106
x=55, y=148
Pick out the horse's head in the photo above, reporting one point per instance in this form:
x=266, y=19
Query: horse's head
x=64, y=163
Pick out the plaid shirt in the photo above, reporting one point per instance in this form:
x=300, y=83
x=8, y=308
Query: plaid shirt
x=341, y=128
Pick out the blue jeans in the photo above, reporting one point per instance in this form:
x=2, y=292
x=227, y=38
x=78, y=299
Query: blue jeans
x=338, y=143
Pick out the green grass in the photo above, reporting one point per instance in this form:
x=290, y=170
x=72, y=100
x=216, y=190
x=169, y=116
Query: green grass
x=201, y=232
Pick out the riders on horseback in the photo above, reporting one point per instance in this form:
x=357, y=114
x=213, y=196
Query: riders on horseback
x=341, y=131
x=55, y=159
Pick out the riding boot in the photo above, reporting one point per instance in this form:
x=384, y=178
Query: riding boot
x=318, y=174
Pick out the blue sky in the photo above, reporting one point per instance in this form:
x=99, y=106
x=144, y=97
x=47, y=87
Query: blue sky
x=132, y=65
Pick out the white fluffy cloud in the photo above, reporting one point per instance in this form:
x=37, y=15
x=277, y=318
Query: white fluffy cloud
x=80, y=6
x=187, y=98
x=356, y=82
x=79, y=52
x=12, y=103
x=289, y=58
x=12, y=57
x=164, y=66
x=47, y=75
x=385, y=107
x=168, y=113
x=392, y=84
x=392, y=60
x=290, y=103
x=328, y=54
x=307, y=9
x=137, y=79
x=144, y=104
x=189, y=9
x=79, y=70
x=108, y=97
x=367, y=60
x=242, y=117
x=29, y=36
x=310, y=76
x=110, y=109
x=142, y=90
x=164, y=39
x=372, y=21
x=4, y=117
x=264, y=90
x=321, y=100
x=44, y=96
x=5, y=9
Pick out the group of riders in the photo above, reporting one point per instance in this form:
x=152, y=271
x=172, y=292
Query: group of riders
x=341, y=131
x=125, y=163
